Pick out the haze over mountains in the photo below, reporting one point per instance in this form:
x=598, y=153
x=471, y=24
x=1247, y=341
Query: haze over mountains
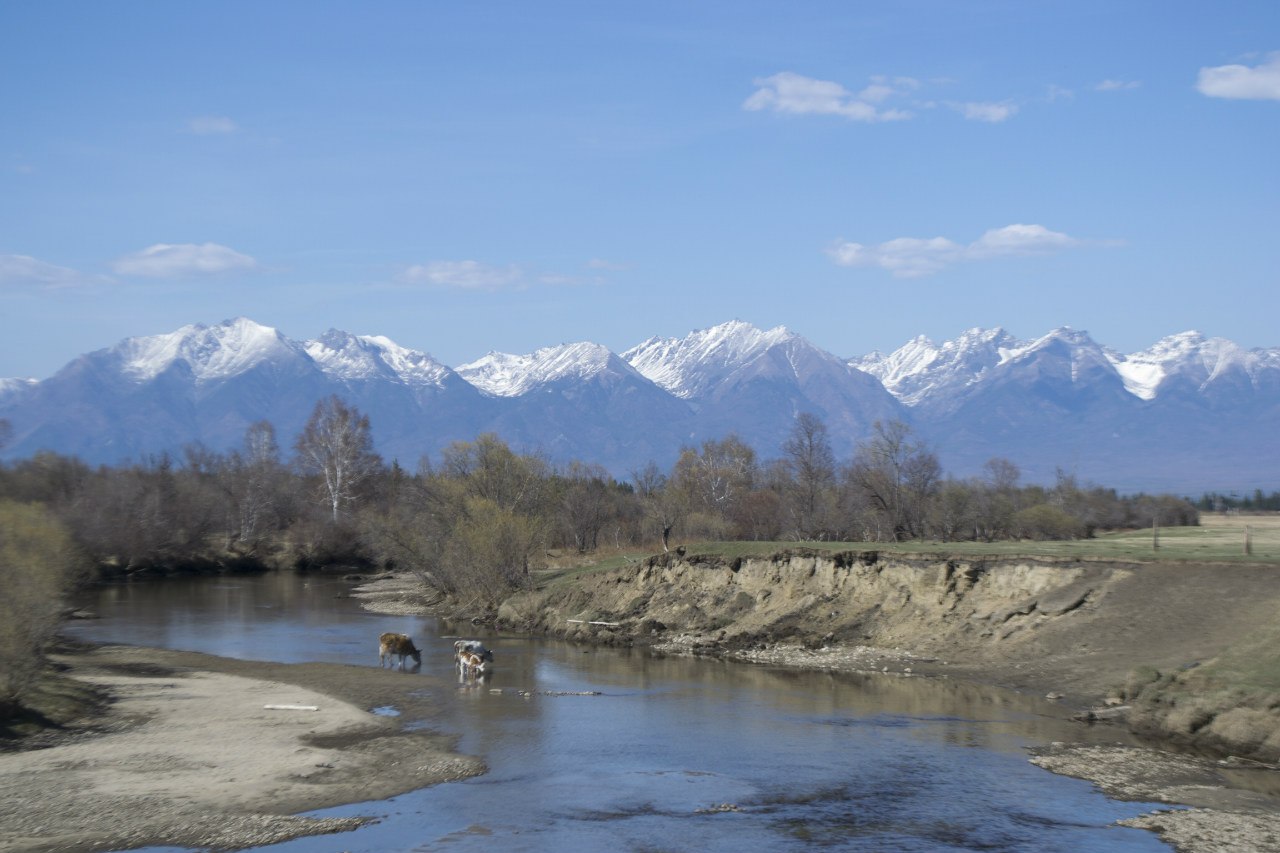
x=1189, y=413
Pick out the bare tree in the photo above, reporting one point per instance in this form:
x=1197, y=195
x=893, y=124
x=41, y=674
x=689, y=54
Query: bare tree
x=955, y=512
x=718, y=476
x=585, y=504
x=897, y=477
x=254, y=479
x=998, y=499
x=663, y=506
x=337, y=446
x=811, y=465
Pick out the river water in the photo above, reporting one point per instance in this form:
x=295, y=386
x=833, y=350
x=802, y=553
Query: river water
x=674, y=754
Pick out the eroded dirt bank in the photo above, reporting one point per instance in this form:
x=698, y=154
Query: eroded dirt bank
x=1148, y=639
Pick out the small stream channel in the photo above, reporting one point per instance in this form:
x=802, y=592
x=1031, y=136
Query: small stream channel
x=674, y=754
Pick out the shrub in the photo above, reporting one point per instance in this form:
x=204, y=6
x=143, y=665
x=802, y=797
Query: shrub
x=1044, y=521
x=38, y=567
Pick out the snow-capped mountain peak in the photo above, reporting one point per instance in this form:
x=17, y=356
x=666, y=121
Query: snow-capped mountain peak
x=688, y=367
x=921, y=369
x=1200, y=360
x=360, y=357
x=212, y=352
x=508, y=375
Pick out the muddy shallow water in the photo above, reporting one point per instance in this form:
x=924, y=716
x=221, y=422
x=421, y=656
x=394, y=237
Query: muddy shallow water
x=600, y=749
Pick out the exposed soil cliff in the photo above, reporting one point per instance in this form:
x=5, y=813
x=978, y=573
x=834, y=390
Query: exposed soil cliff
x=1165, y=639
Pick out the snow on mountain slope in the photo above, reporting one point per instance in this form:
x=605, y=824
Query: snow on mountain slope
x=212, y=353
x=1194, y=358
x=1081, y=357
x=924, y=372
x=507, y=375
x=694, y=365
x=753, y=383
x=921, y=369
x=13, y=389
x=350, y=357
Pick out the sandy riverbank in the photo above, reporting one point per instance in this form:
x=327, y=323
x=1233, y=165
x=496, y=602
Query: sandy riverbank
x=186, y=753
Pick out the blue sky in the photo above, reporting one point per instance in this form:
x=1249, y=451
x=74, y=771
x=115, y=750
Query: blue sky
x=466, y=177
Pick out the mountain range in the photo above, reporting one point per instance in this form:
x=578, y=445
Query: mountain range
x=1189, y=413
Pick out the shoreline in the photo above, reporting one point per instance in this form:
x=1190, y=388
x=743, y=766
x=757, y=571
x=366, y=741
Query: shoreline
x=1217, y=805
x=145, y=758
x=185, y=753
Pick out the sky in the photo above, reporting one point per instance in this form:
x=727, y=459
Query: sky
x=468, y=177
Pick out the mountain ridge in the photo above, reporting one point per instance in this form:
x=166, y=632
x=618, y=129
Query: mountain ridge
x=985, y=393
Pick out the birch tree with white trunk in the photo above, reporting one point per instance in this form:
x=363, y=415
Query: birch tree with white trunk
x=337, y=446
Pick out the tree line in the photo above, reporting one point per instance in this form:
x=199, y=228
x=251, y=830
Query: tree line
x=1257, y=502
x=483, y=504
x=474, y=521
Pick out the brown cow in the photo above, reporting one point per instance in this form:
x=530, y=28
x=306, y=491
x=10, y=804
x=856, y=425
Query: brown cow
x=397, y=644
x=473, y=662
x=471, y=646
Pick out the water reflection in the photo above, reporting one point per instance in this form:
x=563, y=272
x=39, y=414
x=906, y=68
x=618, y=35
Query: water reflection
x=673, y=753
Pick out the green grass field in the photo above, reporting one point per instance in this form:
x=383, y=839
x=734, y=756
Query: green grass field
x=1219, y=538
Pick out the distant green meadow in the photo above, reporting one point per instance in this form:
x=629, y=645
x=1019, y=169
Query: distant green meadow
x=1219, y=538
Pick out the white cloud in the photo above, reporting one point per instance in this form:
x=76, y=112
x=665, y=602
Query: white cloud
x=24, y=269
x=788, y=92
x=1117, y=85
x=466, y=275
x=905, y=257
x=209, y=125
x=993, y=113
x=165, y=260
x=883, y=88
x=606, y=265
x=1019, y=240
x=912, y=257
x=1261, y=82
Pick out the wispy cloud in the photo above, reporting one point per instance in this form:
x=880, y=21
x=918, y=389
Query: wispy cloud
x=912, y=257
x=211, y=125
x=168, y=260
x=464, y=275
x=993, y=113
x=882, y=99
x=26, y=270
x=1111, y=85
x=1053, y=93
x=605, y=265
x=788, y=92
x=1260, y=82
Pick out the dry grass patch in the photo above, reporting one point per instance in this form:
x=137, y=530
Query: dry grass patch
x=1219, y=538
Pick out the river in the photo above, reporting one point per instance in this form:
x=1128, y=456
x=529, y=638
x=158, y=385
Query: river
x=670, y=754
